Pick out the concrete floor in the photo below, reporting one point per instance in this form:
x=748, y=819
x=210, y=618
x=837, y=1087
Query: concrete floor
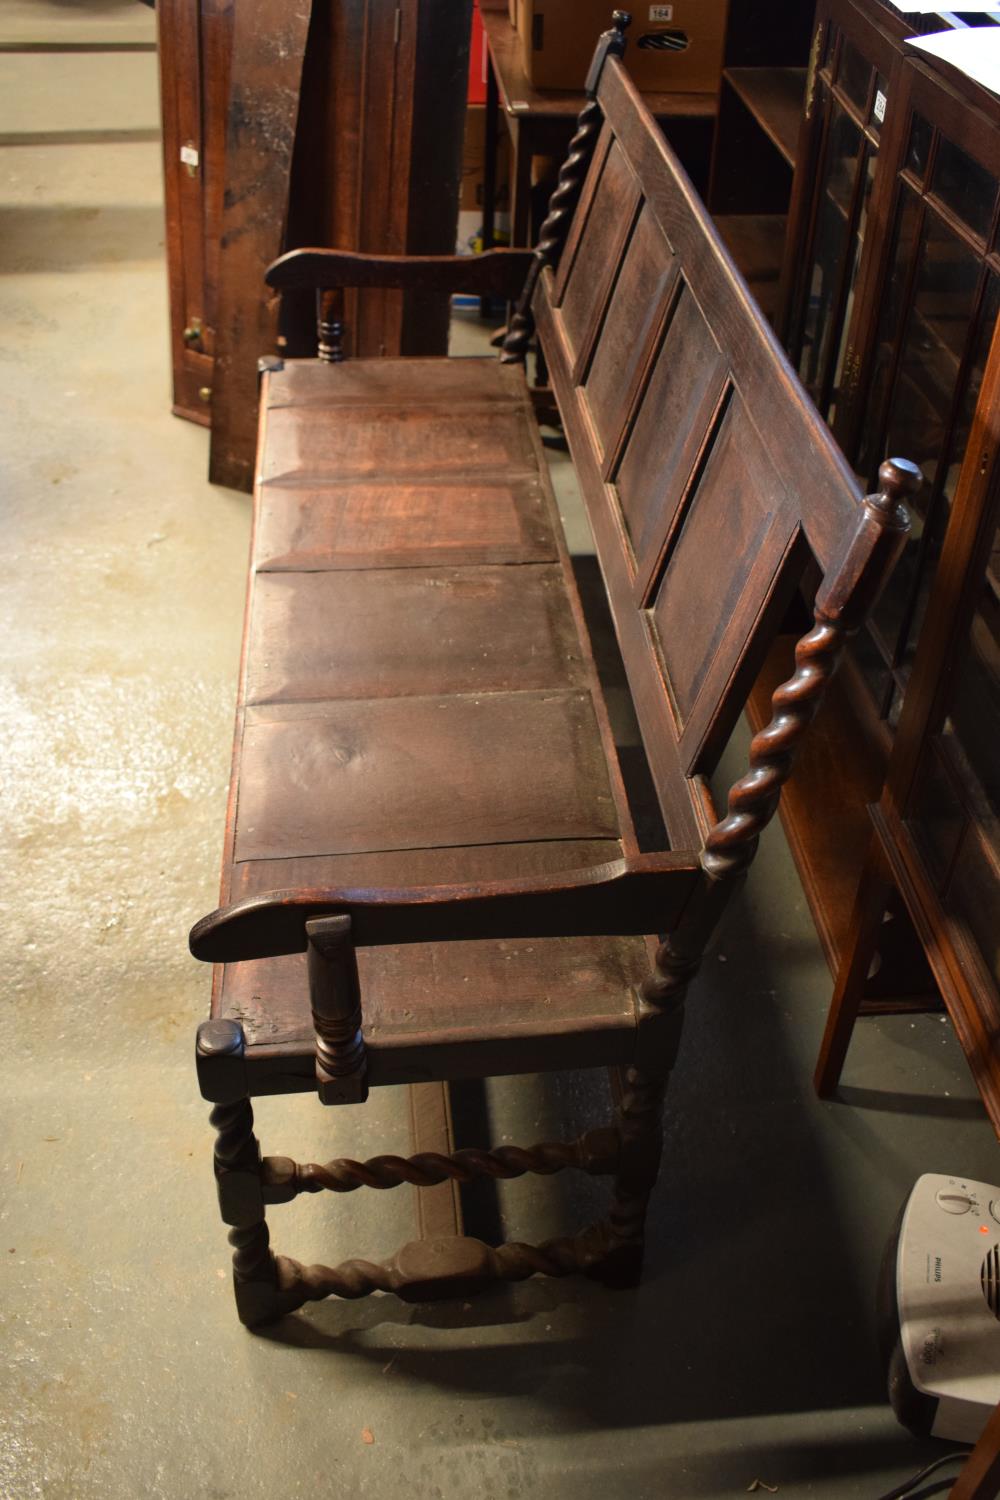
x=749, y=1351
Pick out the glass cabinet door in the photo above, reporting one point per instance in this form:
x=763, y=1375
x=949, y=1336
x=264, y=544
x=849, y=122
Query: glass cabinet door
x=954, y=811
x=939, y=302
x=848, y=102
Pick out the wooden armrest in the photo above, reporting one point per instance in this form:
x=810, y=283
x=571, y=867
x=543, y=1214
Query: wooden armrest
x=497, y=273
x=641, y=895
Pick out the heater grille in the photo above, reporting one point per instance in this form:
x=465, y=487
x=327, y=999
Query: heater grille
x=989, y=1276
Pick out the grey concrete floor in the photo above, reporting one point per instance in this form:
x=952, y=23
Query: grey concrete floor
x=748, y=1352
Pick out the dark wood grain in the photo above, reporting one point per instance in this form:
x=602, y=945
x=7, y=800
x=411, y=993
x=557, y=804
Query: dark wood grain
x=496, y=273
x=404, y=631
x=403, y=525
x=623, y=897
x=414, y=442
x=366, y=774
x=266, y=73
x=609, y=221
x=668, y=427
x=194, y=46
x=635, y=312
x=411, y=382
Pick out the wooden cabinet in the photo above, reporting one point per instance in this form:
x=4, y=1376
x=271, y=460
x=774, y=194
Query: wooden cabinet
x=888, y=305
x=376, y=166
x=917, y=342
x=936, y=839
x=753, y=159
x=195, y=38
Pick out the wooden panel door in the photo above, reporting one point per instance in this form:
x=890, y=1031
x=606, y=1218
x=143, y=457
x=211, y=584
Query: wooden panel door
x=195, y=41
x=376, y=166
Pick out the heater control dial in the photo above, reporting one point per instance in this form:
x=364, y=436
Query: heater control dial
x=953, y=1200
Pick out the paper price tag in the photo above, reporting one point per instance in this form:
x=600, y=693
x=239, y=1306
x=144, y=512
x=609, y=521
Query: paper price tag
x=189, y=156
x=880, y=104
x=661, y=12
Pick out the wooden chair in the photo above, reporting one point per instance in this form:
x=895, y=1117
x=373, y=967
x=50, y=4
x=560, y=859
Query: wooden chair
x=432, y=870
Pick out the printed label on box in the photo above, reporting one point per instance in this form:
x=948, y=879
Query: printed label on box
x=661, y=12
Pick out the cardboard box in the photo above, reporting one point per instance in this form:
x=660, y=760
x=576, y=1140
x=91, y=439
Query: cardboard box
x=673, y=47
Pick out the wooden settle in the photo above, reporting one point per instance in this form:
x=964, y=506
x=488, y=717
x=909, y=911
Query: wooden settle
x=432, y=871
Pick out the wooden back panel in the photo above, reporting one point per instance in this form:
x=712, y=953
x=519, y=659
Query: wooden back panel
x=708, y=476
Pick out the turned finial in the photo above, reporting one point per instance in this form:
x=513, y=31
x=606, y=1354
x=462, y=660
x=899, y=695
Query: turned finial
x=899, y=481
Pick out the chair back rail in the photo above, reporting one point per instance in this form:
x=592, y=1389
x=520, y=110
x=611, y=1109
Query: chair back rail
x=709, y=478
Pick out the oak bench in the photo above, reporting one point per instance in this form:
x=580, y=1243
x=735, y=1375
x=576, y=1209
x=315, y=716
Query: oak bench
x=432, y=870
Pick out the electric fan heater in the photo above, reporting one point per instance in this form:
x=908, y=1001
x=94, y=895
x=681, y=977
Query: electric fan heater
x=940, y=1306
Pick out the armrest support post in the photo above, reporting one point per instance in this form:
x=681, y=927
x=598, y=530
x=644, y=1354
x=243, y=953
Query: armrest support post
x=330, y=326
x=335, y=998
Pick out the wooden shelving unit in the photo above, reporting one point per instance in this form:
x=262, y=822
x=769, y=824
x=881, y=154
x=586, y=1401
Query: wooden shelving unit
x=760, y=111
x=774, y=98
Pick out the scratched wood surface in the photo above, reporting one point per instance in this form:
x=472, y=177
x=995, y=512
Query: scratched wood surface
x=268, y=51
x=413, y=639
x=344, y=129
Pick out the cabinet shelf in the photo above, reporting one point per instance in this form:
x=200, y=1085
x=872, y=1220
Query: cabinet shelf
x=774, y=98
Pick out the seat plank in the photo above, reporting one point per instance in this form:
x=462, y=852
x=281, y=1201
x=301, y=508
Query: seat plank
x=413, y=443
x=454, y=1010
x=541, y=990
x=403, y=525
x=414, y=631
x=414, y=772
x=378, y=382
x=457, y=865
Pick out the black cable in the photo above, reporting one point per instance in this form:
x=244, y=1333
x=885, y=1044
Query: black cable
x=905, y=1491
x=939, y=1487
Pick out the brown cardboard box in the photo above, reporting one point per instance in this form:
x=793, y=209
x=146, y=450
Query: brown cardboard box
x=558, y=39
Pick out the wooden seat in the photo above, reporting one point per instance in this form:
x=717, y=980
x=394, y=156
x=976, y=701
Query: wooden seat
x=390, y=719
x=432, y=870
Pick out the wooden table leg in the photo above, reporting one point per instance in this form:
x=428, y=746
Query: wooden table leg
x=439, y=1208
x=869, y=907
